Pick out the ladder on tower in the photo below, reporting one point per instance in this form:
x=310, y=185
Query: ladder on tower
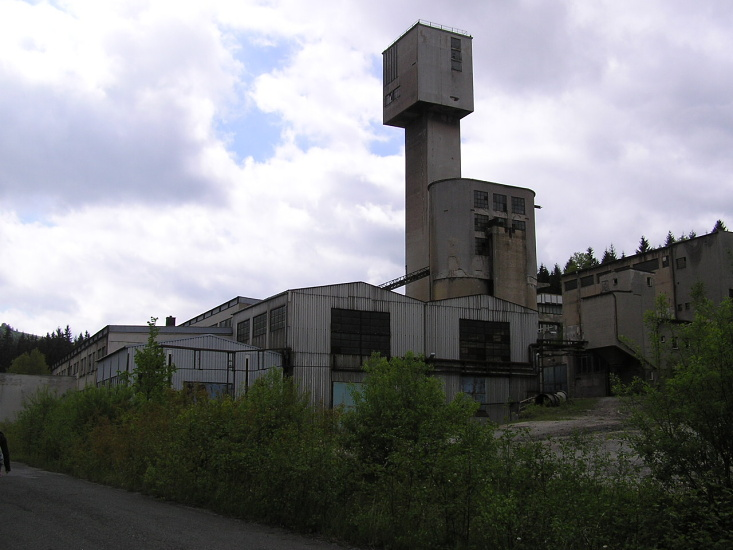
x=406, y=279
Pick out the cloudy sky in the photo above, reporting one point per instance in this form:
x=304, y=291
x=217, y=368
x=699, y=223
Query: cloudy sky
x=162, y=157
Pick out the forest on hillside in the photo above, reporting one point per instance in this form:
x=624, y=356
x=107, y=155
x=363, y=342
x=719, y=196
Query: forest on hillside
x=31, y=354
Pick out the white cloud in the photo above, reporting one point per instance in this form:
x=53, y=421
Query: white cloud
x=134, y=183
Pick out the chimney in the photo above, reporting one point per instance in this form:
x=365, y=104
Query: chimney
x=170, y=321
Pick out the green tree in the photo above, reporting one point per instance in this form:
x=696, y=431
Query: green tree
x=719, y=226
x=32, y=362
x=417, y=459
x=152, y=376
x=683, y=426
x=581, y=260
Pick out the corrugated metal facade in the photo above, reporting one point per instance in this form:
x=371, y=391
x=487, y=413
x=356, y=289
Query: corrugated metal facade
x=201, y=360
x=442, y=320
x=415, y=326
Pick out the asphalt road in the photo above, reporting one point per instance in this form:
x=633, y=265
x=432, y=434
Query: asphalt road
x=41, y=510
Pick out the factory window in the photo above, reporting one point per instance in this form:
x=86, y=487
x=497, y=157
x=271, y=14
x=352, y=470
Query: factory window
x=519, y=225
x=259, y=330
x=483, y=247
x=390, y=64
x=499, y=202
x=456, y=57
x=518, y=205
x=243, y=332
x=586, y=281
x=649, y=265
x=480, y=222
x=484, y=340
x=475, y=387
x=277, y=319
x=553, y=309
x=277, y=327
x=356, y=332
x=480, y=199
x=665, y=261
x=571, y=284
x=681, y=263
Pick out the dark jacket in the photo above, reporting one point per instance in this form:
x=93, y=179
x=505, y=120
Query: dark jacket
x=6, y=452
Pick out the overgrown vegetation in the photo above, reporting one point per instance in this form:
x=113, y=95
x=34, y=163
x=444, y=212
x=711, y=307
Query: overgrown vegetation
x=571, y=408
x=402, y=469
x=683, y=425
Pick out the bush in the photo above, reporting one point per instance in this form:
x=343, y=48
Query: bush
x=402, y=469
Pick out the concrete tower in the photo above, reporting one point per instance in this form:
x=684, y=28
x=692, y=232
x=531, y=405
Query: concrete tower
x=475, y=237
x=428, y=88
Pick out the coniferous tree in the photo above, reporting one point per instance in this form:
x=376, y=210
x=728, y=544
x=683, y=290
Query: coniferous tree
x=719, y=226
x=670, y=239
x=543, y=275
x=609, y=255
x=644, y=245
x=555, y=278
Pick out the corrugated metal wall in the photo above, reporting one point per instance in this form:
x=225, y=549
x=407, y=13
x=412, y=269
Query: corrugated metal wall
x=309, y=326
x=422, y=328
x=441, y=324
x=202, y=359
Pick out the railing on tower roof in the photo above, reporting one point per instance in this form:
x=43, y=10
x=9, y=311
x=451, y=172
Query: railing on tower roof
x=433, y=25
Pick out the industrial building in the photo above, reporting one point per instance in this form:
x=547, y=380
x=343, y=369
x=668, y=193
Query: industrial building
x=82, y=362
x=463, y=236
x=604, y=307
x=219, y=366
x=478, y=344
x=470, y=304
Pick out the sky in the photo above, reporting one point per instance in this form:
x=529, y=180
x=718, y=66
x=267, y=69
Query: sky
x=163, y=157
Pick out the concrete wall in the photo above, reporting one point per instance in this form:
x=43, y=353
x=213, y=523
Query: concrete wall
x=16, y=388
x=508, y=270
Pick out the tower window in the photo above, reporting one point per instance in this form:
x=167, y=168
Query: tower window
x=390, y=64
x=392, y=96
x=500, y=202
x=480, y=199
x=456, y=57
x=483, y=247
x=518, y=205
x=480, y=222
x=519, y=225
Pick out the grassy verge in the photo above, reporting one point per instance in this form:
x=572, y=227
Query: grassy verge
x=567, y=410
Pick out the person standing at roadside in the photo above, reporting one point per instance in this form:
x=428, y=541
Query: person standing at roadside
x=4, y=452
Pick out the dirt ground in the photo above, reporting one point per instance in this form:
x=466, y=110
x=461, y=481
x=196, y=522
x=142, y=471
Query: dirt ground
x=604, y=422
x=606, y=416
